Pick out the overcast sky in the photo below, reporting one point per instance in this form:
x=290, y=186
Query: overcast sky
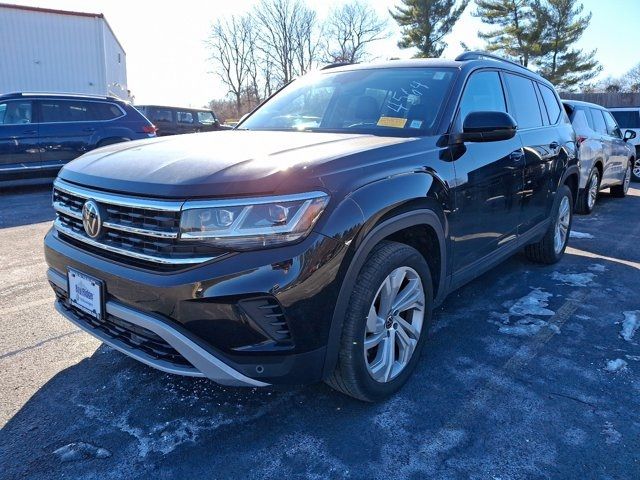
x=167, y=61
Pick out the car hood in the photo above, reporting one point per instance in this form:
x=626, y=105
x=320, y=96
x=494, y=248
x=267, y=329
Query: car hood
x=227, y=163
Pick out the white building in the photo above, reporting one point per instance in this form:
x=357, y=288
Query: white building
x=44, y=50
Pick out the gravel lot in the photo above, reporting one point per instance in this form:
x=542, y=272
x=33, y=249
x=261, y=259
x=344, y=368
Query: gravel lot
x=529, y=372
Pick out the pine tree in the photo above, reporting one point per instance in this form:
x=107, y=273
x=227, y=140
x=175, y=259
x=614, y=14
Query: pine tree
x=425, y=23
x=519, y=31
x=562, y=65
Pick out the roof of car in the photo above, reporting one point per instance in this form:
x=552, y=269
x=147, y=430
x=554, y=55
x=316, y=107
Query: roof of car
x=146, y=105
x=59, y=95
x=584, y=104
x=474, y=60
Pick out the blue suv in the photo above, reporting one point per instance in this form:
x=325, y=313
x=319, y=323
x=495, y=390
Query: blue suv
x=39, y=133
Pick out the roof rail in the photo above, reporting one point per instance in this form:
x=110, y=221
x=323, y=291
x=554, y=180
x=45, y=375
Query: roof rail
x=336, y=65
x=479, y=54
x=59, y=94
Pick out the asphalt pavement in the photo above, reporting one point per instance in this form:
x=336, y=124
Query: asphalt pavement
x=530, y=372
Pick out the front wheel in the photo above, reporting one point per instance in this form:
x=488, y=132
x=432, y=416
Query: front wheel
x=550, y=249
x=385, y=325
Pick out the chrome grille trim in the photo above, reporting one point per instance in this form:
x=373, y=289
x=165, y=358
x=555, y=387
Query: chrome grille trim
x=119, y=200
x=60, y=227
x=142, y=229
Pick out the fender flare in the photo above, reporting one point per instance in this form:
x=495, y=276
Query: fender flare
x=377, y=234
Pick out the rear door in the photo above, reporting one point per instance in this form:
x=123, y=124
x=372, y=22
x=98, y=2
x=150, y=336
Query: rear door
x=489, y=180
x=186, y=121
x=163, y=119
x=541, y=147
x=600, y=127
x=67, y=129
x=18, y=136
x=617, y=164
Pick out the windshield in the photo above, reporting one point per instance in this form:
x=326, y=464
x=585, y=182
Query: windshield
x=385, y=101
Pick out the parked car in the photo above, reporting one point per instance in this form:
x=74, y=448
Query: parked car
x=39, y=133
x=606, y=157
x=629, y=119
x=176, y=120
x=313, y=242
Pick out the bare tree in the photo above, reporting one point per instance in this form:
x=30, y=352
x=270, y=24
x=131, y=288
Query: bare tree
x=231, y=47
x=349, y=29
x=288, y=37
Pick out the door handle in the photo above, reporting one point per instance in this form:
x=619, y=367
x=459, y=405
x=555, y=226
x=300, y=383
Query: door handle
x=554, y=145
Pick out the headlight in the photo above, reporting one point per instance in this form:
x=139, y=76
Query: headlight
x=252, y=223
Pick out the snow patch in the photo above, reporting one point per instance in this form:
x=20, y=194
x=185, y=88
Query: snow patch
x=611, y=434
x=527, y=327
x=597, y=267
x=574, y=234
x=573, y=279
x=81, y=451
x=616, y=365
x=534, y=303
x=635, y=358
x=630, y=324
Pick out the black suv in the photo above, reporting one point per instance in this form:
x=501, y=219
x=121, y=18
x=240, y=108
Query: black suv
x=313, y=242
x=41, y=132
x=178, y=120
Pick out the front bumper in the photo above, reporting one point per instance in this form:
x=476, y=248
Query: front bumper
x=205, y=321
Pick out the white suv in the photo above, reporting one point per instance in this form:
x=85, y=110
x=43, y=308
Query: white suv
x=629, y=119
x=606, y=158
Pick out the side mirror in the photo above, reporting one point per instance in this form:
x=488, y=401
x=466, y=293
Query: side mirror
x=488, y=127
x=629, y=135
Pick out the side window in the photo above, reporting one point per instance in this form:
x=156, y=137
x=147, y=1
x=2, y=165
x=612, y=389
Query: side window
x=523, y=101
x=184, y=117
x=612, y=126
x=625, y=118
x=551, y=103
x=16, y=113
x=56, y=111
x=104, y=111
x=483, y=93
x=162, y=115
x=598, y=121
x=206, y=118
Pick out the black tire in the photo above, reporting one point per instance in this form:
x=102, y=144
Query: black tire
x=111, y=141
x=582, y=205
x=544, y=251
x=351, y=375
x=620, y=191
x=635, y=173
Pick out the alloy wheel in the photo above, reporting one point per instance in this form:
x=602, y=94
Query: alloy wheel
x=562, y=225
x=394, y=324
x=636, y=168
x=627, y=180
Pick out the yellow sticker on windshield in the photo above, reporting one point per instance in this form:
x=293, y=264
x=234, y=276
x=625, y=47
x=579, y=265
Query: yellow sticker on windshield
x=395, y=122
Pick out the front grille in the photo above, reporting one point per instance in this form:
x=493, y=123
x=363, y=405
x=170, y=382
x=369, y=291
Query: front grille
x=146, y=231
x=133, y=336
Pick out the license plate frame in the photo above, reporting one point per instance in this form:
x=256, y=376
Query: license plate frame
x=83, y=290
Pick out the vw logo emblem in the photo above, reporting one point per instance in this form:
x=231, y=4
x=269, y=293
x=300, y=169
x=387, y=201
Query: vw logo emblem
x=91, y=218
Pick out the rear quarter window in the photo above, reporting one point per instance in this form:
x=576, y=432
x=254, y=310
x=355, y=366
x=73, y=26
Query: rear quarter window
x=551, y=103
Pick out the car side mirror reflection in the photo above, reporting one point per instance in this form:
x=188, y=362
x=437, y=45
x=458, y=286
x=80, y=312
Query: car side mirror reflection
x=488, y=127
x=629, y=135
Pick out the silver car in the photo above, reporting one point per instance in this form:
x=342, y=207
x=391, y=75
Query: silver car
x=606, y=157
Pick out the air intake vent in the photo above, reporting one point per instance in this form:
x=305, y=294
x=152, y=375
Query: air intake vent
x=267, y=316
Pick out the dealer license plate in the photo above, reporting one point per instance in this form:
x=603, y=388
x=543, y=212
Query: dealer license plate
x=85, y=293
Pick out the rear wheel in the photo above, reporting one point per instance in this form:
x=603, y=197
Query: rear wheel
x=552, y=246
x=386, y=323
x=587, y=198
x=621, y=190
x=636, y=170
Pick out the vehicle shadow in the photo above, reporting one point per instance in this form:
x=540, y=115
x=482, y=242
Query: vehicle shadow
x=25, y=205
